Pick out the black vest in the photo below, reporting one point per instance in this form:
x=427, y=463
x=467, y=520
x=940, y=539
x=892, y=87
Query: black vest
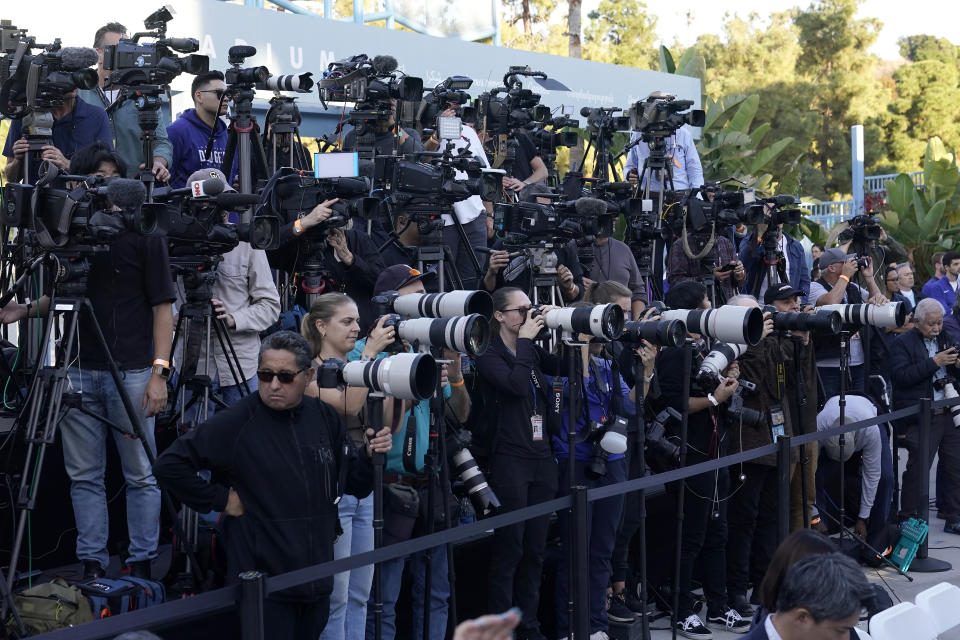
x=827, y=347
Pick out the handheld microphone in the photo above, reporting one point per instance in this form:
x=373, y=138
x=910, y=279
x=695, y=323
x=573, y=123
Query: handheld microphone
x=195, y=189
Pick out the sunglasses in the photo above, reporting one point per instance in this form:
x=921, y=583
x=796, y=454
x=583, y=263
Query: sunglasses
x=285, y=377
x=219, y=92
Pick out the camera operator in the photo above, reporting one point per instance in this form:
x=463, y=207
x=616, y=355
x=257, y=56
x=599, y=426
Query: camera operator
x=795, y=259
x=528, y=167
x=506, y=271
x=614, y=262
x=728, y=271
x=786, y=299
x=681, y=152
x=190, y=133
x=405, y=465
x=332, y=328
x=350, y=260
x=606, y=397
x=130, y=290
x=752, y=509
x=834, y=287
x=245, y=298
x=920, y=359
x=257, y=451
x=76, y=125
x=283, y=141
x=523, y=469
x=945, y=289
x=388, y=137
x=704, y=538
x=123, y=117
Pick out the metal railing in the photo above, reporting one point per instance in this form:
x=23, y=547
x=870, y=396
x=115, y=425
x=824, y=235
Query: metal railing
x=247, y=597
x=827, y=214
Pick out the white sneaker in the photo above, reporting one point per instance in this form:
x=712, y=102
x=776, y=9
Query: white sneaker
x=730, y=621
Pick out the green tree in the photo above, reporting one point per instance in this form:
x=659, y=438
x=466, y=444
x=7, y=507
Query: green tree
x=621, y=32
x=924, y=47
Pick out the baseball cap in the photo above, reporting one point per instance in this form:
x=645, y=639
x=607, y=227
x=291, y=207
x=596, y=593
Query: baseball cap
x=396, y=277
x=832, y=256
x=780, y=291
x=211, y=172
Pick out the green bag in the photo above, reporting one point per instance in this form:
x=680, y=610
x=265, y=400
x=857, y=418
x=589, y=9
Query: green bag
x=51, y=606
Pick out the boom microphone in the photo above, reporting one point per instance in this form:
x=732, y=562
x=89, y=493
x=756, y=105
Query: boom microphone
x=231, y=200
x=385, y=64
x=590, y=207
x=585, y=112
x=208, y=187
x=126, y=193
x=75, y=58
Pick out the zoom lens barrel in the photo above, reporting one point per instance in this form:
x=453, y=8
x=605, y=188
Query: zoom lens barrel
x=824, y=322
x=604, y=321
x=740, y=325
x=466, y=468
x=408, y=376
x=662, y=333
x=468, y=334
x=886, y=316
x=444, y=305
x=711, y=369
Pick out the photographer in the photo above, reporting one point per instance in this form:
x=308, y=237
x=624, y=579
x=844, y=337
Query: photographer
x=280, y=143
x=752, y=509
x=348, y=260
x=920, y=359
x=332, y=328
x=406, y=466
x=509, y=270
x=614, y=262
x=130, y=290
x=606, y=397
x=123, y=117
x=727, y=271
x=523, y=470
x=704, y=538
x=257, y=452
x=834, y=287
x=76, y=125
x=190, y=133
x=793, y=255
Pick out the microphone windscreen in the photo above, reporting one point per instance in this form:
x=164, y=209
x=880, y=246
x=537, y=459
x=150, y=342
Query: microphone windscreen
x=126, y=193
x=385, y=64
x=590, y=207
x=78, y=58
x=231, y=200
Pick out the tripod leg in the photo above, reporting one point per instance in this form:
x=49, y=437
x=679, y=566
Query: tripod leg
x=233, y=361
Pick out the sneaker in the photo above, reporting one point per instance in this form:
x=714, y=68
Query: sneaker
x=599, y=635
x=91, y=569
x=693, y=627
x=741, y=605
x=634, y=603
x=617, y=610
x=731, y=621
x=952, y=527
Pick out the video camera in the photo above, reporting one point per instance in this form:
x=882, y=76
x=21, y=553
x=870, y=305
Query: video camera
x=35, y=83
x=715, y=207
x=771, y=211
x=369, y=83
x=452, y=91
x=603, y=119
x=660, y=115
x=132, y=64
x=517, y=108
x=533, y=223
x=865, y=228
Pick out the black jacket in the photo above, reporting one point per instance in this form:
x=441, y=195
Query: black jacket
x=912, y=370
x=285, y=466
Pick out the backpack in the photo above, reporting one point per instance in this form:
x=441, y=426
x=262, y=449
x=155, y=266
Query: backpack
x=50, y=606
x=112, y=596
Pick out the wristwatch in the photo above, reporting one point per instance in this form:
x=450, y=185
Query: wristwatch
x=161, y=368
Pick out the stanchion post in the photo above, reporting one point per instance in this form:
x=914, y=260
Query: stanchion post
x=582, y=563
x=251, y=605
x=783, y=487
x=924, y=424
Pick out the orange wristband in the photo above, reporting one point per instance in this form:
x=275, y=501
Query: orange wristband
x=298, y=227
x=844, y=277
x=456, y=384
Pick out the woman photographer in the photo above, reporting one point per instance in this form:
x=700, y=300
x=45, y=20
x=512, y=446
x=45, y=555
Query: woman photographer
x=602, y=408
x=332, y=328
x=523, y=470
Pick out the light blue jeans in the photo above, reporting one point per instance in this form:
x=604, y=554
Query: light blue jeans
x=85, y=458
x=351, y=589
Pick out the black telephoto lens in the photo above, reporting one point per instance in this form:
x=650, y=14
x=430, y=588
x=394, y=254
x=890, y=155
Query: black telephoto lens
x=825, y=322
x=466, y=468
x=662, y=333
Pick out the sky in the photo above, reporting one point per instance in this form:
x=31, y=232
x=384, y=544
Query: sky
x=934, y=17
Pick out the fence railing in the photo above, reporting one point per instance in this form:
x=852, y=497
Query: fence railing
x=833, y=212
x=247, y=597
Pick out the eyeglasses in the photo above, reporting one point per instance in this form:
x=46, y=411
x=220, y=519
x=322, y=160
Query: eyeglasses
x=285, y=377
x=219, y=92
x=523, y=310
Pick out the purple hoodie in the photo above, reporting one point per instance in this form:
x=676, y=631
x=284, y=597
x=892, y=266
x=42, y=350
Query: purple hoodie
x=189, y=135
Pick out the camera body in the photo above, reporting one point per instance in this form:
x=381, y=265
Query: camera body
x=37, y=82
x=659, y=450
x=739, y=415
x=660, y=116
x=866, y=228
x=607, y=436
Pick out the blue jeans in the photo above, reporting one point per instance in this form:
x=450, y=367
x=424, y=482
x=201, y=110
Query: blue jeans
x=85, y=456
x=351, y=589
x=230, y=395
x=392, y=575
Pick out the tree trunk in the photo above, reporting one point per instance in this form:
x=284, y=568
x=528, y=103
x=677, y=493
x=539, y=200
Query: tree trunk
x=573, y=28
x=527, y=19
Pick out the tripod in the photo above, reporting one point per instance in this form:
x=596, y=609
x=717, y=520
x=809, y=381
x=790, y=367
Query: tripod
x=243, y=136
x=282, y=128
x=147, y=100
x=774, y=267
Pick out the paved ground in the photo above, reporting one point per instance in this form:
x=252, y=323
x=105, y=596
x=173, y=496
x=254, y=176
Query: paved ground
x=943, y=546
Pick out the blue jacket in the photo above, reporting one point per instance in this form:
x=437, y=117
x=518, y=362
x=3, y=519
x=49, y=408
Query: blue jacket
x=751, y=255
x=126, y=131
x=82, y=126
x=189, y=135
x=942, y=291
x=758, y=631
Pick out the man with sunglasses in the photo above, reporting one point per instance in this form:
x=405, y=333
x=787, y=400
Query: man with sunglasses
x=279, y=463
x=190, y=133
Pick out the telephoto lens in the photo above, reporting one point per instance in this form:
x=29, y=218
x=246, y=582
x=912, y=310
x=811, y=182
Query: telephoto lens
x=949, y=393
x=710, y=374
x=662, y=333
x=467, y=469
x=439, y=305
x=603, y=321
x=407, y=376
x=825, y=322
x=887, y=316
x=742, y=325
x=468, y=334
